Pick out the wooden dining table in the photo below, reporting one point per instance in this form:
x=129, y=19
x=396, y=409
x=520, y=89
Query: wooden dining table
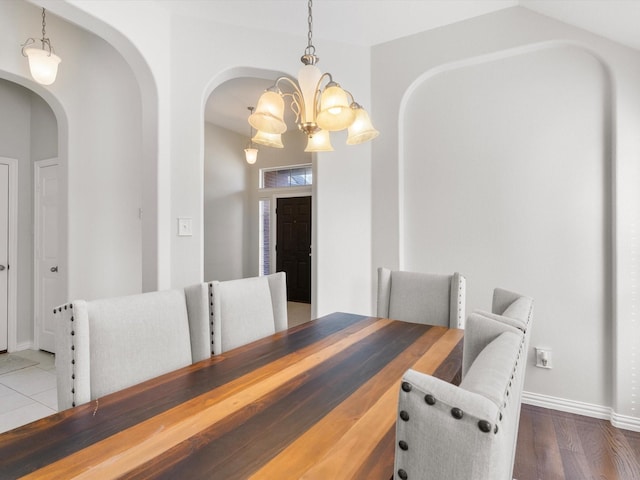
x=317, y=401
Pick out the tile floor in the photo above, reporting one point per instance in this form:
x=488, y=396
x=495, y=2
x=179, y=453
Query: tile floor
x=29, y=393
x=298, y=313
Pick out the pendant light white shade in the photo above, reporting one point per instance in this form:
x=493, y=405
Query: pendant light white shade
x=269, y=139
x=43, y=65
x=251, y=155
x=361, y=130
x=269, y=114
x=319, y=142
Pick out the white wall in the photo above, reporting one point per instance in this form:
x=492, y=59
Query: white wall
x=28, y=132
x=226, y=205
x=144, y=47
x=343, y=221
x=44, y=130
x=104, y=167
x=507, y=180
x=599, y=152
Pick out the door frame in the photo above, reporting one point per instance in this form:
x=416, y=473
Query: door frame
x=273, y=222
x=12, y=277
x=272, y=195
x=274, y=232
x=37, y=298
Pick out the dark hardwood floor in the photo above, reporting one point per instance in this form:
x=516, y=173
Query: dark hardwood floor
x=555, y=445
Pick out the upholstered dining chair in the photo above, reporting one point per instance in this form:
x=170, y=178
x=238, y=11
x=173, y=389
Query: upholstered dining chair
x=247, y=309
x=469, y=431
x=103, y=346
x=422, y=297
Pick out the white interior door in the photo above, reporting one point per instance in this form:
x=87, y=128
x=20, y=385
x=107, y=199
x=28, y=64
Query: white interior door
x=4, y=255
x=48, y=291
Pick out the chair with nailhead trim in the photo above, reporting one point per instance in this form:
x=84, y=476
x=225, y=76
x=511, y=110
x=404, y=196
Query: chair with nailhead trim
x=247, y=309
x=422, y=297
x=103, y=346
x=469, y=431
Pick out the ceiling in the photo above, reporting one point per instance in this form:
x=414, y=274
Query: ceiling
x=371, y=22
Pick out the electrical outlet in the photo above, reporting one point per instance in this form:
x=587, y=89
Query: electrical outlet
x=543, y=357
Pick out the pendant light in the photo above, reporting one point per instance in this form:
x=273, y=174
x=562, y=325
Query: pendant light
x=318, y=110
x=43, y=63
x=251, y=153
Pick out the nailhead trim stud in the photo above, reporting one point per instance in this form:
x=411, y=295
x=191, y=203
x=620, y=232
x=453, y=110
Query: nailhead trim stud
x=484, y=426
x=457, y=413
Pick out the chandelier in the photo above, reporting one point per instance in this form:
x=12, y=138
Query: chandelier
x=43, y=63
x=318, y=110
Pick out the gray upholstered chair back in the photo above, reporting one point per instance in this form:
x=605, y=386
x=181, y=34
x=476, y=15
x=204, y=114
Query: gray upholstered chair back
x=508, y=308
x=247, y=309
x=469, y=431
x=103, y=346
x=422, y=297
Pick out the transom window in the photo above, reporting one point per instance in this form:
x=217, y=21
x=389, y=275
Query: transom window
x=298, y=176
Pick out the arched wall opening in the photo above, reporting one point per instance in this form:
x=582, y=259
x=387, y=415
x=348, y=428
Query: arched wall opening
x=231, y=194
x=106, y=141
x=33, y=129
x=512, y=187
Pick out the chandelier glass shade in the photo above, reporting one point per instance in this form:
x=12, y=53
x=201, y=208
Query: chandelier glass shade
x=268, y=139
x=361, y=130
x=320, y=105
x=43, y=63
x=319, y=142
x=269, y=114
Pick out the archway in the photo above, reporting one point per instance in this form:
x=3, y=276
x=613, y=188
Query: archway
x=32, y=133
x=513, y=188
x=234, y=202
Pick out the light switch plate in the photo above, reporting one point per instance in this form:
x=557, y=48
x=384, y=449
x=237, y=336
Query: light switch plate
x=185, y=227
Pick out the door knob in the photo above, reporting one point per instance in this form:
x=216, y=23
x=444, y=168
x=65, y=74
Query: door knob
x=54, y=269
x=2, y=267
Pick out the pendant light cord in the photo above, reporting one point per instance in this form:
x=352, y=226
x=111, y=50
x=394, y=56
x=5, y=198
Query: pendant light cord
x=44, y=24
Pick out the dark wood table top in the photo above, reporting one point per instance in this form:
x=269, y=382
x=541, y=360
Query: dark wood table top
x=316, y=401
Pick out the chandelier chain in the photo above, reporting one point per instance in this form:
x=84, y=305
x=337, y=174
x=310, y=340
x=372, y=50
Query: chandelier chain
x=310, y=48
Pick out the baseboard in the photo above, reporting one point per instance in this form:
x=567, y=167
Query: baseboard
x=581, y=408
x=625, y=422
x=23, y=346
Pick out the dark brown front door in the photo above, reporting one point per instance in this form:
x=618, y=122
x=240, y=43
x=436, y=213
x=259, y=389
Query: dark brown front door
x=293, y=246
